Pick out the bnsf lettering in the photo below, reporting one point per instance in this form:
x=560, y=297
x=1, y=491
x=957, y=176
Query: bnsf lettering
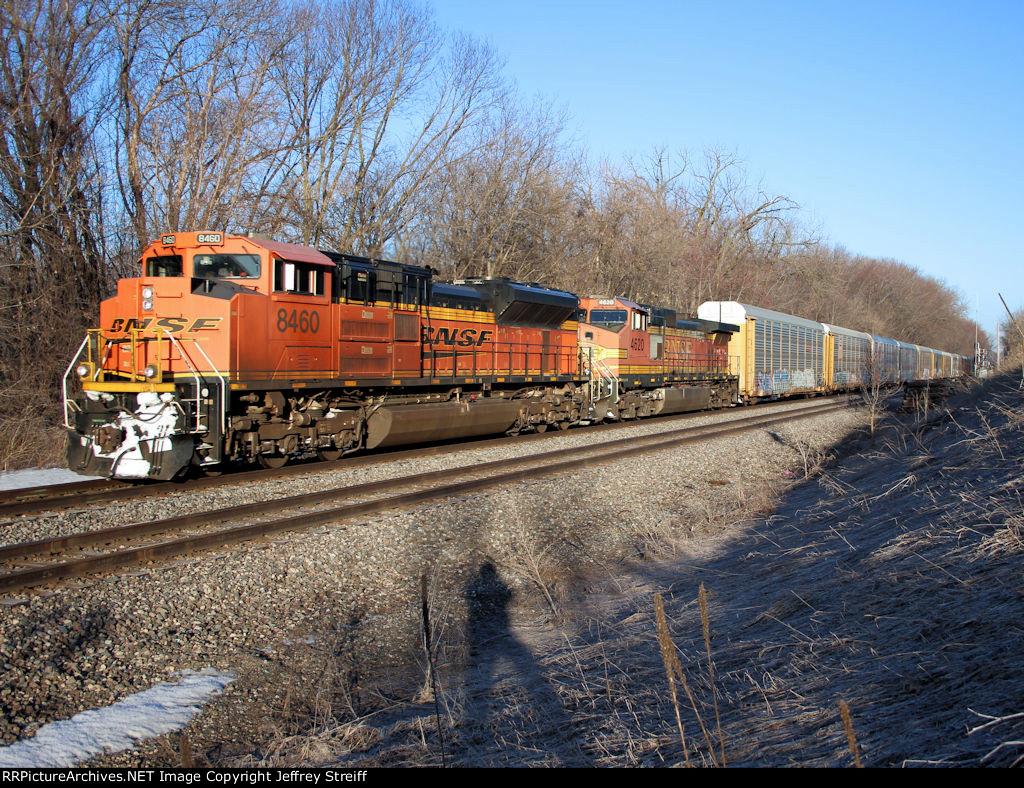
x=203, y=323
x=173, y=325
x=679, y=345
x=466, y=337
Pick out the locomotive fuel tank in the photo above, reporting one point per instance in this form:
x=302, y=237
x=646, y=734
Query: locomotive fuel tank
x=681, y=400
x=409, y=424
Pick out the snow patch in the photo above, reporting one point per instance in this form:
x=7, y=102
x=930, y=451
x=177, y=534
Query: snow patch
x=39, y=477
x=160, y=709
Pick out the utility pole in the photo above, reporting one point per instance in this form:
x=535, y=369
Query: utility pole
x=977, y=345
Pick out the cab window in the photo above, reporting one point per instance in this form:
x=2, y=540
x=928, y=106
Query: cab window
x=163, y=265
x=226, y=266
x=609, y=319
x=300, y=278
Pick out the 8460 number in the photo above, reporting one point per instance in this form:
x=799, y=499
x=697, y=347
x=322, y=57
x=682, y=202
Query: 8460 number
x=302, y=321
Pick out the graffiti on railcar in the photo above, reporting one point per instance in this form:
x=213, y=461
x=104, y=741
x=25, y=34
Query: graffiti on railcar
x=783, y=381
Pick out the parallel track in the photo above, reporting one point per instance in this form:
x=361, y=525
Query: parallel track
x=14, y=503
x=29, y=499
x=232, y=525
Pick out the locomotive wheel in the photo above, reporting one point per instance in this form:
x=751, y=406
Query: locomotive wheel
x=272, y=461
x=328, y=455
x=541, y=427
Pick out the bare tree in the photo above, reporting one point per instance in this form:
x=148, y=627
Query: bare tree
x=874, y=386
x=51, y=205
x=196, y=123
x=371, y=116
x=1012, y=353
x=499, y=202
x=662, y=230
x=740, y=234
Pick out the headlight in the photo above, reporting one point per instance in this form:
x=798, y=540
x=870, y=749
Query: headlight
x=147, y=293
x=147, y=304
x=82, y=370
x=150, y=371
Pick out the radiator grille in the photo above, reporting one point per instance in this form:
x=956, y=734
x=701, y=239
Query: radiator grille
x=365, y=365
x=407, y=327
x=364, y=329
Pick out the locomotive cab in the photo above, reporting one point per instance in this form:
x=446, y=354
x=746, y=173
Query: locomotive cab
x=157, y=376
x=614, y=337
x=644, y=361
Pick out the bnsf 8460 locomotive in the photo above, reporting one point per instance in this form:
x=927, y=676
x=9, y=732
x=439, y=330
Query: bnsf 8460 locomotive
x=230, y=348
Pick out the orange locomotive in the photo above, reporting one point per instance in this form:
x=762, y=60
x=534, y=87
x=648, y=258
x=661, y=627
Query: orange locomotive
x=229, y=347
x=647, y=362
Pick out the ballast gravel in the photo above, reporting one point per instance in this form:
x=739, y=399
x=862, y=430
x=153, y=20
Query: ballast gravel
x=347, y=597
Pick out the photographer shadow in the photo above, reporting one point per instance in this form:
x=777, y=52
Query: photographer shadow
x=512, y=714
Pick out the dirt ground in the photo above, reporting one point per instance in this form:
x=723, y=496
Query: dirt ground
x=889, y=585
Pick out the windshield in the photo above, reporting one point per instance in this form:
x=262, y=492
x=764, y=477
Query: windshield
x=226, y=266
x=610, y=319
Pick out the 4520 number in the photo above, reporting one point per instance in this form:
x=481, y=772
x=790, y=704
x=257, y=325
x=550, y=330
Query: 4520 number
x=302, y=321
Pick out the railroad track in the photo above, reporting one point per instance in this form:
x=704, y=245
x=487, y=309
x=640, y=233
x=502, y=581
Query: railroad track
x=77, y=555
x=24, y=500
x=15, y=503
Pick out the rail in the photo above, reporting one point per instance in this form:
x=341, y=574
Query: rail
x=238, y=527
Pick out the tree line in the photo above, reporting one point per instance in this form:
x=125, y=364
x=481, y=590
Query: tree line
x=360, y=125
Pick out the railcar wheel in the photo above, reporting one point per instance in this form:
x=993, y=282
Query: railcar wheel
x=328, y=455
x=272, y=461
x=540, y=427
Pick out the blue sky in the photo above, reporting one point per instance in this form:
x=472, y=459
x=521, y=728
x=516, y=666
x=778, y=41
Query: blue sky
x=896, y=126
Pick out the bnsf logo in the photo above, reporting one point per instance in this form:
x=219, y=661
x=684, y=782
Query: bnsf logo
x=466, y=337
x=173, y=325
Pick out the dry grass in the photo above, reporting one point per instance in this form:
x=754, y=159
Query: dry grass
x=541, y=702
x=674, y=672
x=28, y=436
x=869, y=620
x=529, y=558
x=851, y=737
x=673, y=669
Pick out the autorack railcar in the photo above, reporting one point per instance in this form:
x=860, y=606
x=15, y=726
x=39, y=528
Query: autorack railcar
x=847, y=358
x=779, y=355
x=782, y=355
